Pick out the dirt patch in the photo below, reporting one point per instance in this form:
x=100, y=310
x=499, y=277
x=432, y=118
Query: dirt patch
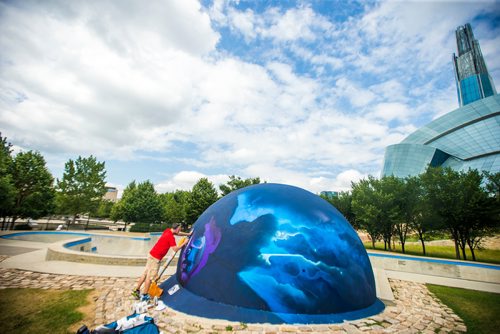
x=491, y=242
x=88, y=311
x=486, y=243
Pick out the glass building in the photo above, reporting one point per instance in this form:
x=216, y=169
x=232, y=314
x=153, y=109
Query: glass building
x=471, y=75
x=468, y=137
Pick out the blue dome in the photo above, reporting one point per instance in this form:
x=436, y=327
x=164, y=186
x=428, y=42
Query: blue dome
x=277, y=249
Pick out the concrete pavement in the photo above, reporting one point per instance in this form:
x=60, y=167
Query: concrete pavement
x=410, y=307
x=31, y=256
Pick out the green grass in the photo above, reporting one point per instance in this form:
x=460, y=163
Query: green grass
x=40, y=311
x=446, y=252
x=479, y=310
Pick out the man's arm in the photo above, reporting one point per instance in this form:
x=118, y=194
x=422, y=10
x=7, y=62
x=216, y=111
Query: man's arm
x=182, y=242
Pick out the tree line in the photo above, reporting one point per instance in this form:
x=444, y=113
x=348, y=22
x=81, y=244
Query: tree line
x=28, y=190
x=464, y=205
x=141, y=204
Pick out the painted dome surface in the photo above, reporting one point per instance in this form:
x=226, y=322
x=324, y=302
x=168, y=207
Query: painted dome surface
x=277, y=249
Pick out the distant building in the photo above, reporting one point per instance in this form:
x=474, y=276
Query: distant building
x=471, y=74
x=111, y=194
x=468, y=137
x=329, y=194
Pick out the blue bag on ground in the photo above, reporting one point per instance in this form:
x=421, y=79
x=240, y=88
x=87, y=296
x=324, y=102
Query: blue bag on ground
x=133, y=324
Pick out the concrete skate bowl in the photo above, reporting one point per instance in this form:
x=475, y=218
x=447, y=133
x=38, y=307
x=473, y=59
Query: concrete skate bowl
x=273, y=253
x=92, y=247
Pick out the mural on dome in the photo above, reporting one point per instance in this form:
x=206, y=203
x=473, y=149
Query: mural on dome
x=196, y=252
x=277, y=248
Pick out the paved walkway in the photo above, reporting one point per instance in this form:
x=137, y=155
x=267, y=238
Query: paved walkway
x=415, y=309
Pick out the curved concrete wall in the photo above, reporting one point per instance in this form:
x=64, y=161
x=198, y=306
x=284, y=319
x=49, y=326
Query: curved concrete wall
x=467, y=270
x=80, y=250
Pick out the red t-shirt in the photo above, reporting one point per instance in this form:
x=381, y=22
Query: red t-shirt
x=163, y=244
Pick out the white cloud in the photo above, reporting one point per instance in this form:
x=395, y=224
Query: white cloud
x=185, y=180
x=302, y=100
x=358, y=96
x=77, y=85
x=344, y=179
x=294, y=24
x=244, y=22
x=390, y=111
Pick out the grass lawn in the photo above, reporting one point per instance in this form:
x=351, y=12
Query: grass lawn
x=479, y=310
x=41, y=311
x=447, y=252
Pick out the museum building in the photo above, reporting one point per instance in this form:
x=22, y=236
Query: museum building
x=468, y=137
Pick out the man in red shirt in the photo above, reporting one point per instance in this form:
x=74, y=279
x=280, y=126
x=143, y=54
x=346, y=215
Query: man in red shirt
x=156, y=254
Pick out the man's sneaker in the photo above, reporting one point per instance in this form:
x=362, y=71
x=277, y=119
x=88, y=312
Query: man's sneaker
x=145, y=298
x=136, y=294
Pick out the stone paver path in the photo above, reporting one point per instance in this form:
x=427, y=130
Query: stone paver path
x=415, y=309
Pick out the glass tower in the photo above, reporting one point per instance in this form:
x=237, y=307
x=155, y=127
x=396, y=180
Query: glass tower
x=471, y=75
x=463, y=139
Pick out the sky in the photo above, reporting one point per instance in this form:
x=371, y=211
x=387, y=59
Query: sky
x=306, y=93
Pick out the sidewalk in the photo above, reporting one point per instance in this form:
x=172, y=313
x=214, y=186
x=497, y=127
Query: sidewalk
x=410, y=307
x=415, y=309
x=30, y=256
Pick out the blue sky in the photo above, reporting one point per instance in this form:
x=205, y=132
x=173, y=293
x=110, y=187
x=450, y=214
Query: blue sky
x=307, y=93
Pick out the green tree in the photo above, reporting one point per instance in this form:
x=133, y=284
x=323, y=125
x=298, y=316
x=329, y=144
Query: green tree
x=403, y=206
x=493, y=184
x=34, y=186
x=364, y=206
x=7, y=189
x=104, y=209
x=141, y=204
x=203, y=194
x=116, y=211
x=416, y=210
x=235, y=183
x=461, y=204
x=387, y=189
x=375, y=207
x=441, y=186
x=82, y=186
x=175, y=206
x=343, y=203
x=480, y=211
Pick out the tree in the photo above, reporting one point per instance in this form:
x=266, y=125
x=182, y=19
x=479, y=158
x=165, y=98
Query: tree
x=175, y=207
x=7, y=189
x=373, y=203
x=493, y=184
x=365, y=208
x=34, y=186
x=141, y=204
x=441, y=186
x=116, y=211
x=480, y=210
x=343, y=203
x=406, y=202
x=387, y=189
x=203, y=194
x=416, y=210
x=82, y=186
x=462, y=205
x=104, y=209
x=235, y=183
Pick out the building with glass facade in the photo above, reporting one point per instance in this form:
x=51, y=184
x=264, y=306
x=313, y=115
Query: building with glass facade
x=471, y=75
x=468, y=137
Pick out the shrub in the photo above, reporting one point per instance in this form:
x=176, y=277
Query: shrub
x=146, y=228
x=23, y=227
